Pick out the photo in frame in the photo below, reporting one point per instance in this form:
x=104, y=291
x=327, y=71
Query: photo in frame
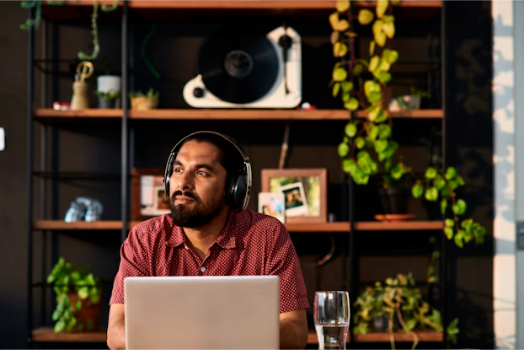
x=147, y=193
x=312, y=188
x=272, y=204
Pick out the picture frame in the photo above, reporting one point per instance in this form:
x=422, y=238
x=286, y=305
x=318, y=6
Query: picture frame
x=147, y=193
x=272, y=204
x=313, y=183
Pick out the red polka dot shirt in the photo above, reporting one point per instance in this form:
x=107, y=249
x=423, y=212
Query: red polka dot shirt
x=250, y=244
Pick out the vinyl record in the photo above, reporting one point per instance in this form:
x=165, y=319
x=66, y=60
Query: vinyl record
x=238, y=68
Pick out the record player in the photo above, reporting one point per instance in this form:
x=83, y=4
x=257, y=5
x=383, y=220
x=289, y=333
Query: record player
x=239, y=70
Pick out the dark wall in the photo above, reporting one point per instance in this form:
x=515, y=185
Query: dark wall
x=96, y=147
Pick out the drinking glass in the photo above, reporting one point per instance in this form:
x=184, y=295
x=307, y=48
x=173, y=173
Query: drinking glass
x=331, y=316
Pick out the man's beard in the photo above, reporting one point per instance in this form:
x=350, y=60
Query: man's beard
x=197, y=216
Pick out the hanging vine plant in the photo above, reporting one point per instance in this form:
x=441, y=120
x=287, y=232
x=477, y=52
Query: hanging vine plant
x=368, y=147
x=35, y=22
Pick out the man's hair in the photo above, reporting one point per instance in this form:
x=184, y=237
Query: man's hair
x=229, y=157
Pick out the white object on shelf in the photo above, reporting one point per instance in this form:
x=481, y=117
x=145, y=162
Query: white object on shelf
x=2, y=139
x=108, y=83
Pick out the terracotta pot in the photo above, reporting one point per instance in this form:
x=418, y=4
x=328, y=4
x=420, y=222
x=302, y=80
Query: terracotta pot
x=88, y=311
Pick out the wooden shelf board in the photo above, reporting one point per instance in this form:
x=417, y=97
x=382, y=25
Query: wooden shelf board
x=83, y=113
x=227, y=114
x=78, y=225
x=47, y=334
x=251, y=4
x=303, y=227
x=423, y=336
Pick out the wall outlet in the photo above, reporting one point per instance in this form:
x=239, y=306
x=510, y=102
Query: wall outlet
x=2, y=139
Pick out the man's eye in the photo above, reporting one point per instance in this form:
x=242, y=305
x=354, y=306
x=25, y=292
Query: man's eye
x=177, y=170
x=201, y=172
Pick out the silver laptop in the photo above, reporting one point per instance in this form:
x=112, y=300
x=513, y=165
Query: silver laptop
x=236, y=312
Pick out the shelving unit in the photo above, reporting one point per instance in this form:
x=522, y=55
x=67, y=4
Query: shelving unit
x=141, y=9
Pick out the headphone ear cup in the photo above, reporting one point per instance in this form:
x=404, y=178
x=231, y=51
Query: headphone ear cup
x=237, y=191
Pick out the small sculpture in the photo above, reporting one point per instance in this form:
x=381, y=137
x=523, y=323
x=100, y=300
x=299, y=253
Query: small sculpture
x=84, y=208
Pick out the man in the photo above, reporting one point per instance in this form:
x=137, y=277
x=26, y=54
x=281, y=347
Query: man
x=205, y=236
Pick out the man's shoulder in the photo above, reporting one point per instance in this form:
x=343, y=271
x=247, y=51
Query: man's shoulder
x=252, y=219
x=156, y=226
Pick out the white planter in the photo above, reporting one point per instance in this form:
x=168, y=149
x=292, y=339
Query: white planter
x=108, y=83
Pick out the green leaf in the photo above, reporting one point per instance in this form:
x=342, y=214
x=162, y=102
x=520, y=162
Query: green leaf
x=431, y=194
x=384, y=77
x=374, y=96
x=382, y=116
x=431, y=271
x=371, y=86
x=357, y=70
x=346, y=96
x=382, y=6
x=449, y=232
x=365, y=16
x=373, y=132
x=59, y=326
x=347, y=165
x=443, y=206
x=439, y=182
x=431, y=173
x=359, y=142
x=72, y=322
x=343, y=149
x=397, y=171
x=389, y=29
x=417, y=190
x=347, y=86
x=374, y=63
x=351, y=129
x=340, y=49
x=381, y=145
x=90, y=325
x=336, y=89
x=380, y=38
x=392, y=57
x=78, y=305
x=94, y=298
x=339, y=74
x=384, y=131
x=411, y=324
x=458, y=240
x=333, y=20
x=373, y=112
x=387, y=164
x=352, y=104
x=392, y=148
x=342, y=5
x=83, y=293
x=436, y=254
x=460, y=180
x=449, y=223
x=388, y=18
x=432, y=279
x=459, y=207
x=371, y=48
x=56, y=314
x=342, y=25
x=451, y=172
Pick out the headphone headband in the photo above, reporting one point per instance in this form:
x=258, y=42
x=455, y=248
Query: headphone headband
x=246, y=171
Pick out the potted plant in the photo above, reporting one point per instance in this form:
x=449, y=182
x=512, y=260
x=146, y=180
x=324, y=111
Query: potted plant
x=368, y=148
x=78, y=298
x=141, y=102
x=109, y=99
x=399, y=304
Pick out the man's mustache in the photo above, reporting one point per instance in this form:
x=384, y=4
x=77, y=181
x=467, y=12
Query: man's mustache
x=185, y=194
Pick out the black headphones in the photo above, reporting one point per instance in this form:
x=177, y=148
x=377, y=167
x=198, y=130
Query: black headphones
x=239, y=189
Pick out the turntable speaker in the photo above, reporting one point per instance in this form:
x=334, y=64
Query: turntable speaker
x=248, y=71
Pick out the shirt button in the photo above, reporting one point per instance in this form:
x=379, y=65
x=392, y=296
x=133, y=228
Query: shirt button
x=185, y=246
x=202, y=269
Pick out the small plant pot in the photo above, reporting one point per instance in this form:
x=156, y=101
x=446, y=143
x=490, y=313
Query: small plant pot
x=89, y=313
x=394, y=200
x=144, y=103
x=104, y=103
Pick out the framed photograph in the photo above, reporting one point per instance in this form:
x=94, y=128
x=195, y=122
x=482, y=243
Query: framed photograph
x=305, y=192
x=148, y=197
x=272, y=204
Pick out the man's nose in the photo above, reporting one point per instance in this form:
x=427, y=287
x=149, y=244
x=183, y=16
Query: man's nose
x=184, y=181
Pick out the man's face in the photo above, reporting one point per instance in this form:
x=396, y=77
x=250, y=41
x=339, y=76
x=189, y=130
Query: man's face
x=197, y=185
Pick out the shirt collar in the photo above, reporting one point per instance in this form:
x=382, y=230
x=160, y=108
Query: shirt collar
x=226, y=239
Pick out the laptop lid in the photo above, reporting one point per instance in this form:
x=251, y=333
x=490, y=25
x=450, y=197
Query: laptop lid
x=226, y=312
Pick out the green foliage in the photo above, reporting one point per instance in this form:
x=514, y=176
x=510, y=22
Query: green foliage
x=109, y=95
x=401, y=302
x=370, y=145
x=67, y=280
x=150, y=94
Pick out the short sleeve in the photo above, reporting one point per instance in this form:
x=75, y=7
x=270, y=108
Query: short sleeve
x=283, y=261
x=133, y=262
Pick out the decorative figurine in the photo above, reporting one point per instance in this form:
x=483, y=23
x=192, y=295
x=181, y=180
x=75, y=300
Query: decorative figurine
x=80, y=99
